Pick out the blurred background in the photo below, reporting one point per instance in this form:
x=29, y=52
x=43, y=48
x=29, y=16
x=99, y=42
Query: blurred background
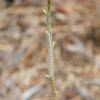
x=24, y=49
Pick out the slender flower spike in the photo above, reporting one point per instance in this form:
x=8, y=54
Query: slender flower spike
x=50, y=50
x=50, y=53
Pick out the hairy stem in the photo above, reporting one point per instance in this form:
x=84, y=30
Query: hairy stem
x=50, y=50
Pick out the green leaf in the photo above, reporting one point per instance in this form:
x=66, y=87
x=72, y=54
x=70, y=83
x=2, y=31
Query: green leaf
x=50, y=30
x=48, y=76
x=53, y=44
x=45, y=12
x=56, y=92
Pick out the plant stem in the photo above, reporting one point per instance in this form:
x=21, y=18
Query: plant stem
x=50, y=50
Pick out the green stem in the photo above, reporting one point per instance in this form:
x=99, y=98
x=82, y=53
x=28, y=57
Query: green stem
x=51, y=50
x=48, y=16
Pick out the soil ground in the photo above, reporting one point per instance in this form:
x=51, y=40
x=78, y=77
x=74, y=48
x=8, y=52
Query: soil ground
x=24, y=50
